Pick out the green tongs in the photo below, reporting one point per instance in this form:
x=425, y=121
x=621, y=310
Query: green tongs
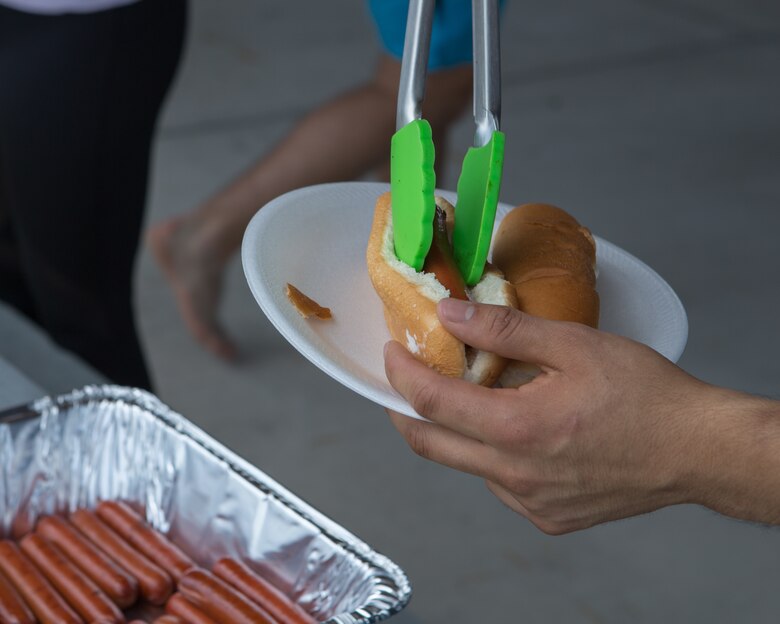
x=412, y=152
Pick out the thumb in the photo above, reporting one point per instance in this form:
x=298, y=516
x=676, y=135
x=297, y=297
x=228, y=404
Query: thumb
x=511, y=333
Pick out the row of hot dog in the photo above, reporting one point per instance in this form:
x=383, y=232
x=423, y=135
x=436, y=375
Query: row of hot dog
x=93, y=565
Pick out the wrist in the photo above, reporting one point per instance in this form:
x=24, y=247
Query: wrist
x=736, y=469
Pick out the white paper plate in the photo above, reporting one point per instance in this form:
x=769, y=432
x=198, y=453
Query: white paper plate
x=315, y=238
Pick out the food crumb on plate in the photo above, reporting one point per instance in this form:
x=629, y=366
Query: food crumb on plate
x=306, y=306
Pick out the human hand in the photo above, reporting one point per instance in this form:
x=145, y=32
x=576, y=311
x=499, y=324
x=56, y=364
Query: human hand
x=609, y=429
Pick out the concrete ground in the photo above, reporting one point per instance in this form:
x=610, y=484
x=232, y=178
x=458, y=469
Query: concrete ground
x=657, y=123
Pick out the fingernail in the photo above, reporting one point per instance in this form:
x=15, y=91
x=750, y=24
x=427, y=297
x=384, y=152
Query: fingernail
x=456, y=310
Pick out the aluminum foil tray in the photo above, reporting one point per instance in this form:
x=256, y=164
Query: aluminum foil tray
x=110, y=442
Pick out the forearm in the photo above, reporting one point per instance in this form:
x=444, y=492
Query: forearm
x=339, y=141
x=737, y=471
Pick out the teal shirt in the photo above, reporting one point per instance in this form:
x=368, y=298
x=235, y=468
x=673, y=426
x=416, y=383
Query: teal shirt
x=450, y=38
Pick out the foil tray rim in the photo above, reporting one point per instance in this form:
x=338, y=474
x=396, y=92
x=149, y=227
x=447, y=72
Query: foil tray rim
x=392, y=589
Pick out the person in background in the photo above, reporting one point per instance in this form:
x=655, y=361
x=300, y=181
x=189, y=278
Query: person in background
x=193, y=249
x=609, y=429
x=81, y=86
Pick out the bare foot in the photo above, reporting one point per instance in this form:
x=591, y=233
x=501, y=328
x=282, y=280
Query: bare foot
x=196, y=281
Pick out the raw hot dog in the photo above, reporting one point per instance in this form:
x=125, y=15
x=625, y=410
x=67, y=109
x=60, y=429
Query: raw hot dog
x=179, y=606
x=134, y=529
x=47, y=605
x=168, y=619
x=12, y=607
x=82, y=594
x=117, y=584
x=220, y=601
x=154, y=583
x=260, y=591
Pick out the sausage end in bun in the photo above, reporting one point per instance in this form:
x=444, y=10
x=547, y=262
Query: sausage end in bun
x=410, y=299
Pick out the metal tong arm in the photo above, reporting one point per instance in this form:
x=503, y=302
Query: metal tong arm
x=487, y=70
x=414, y=65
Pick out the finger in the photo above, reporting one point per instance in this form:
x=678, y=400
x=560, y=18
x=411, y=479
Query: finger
x=464, y=407
x=509, y=332
x=444, y=446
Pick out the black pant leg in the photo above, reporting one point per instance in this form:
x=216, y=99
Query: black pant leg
x=13, y=286
x=75, y=134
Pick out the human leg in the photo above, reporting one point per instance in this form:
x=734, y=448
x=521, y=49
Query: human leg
x=343, y=140
x=13, y=286
x=78, y=123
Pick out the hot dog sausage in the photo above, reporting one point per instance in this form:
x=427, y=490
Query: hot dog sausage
x=117, y=584
x=154, y=583
x=47, y=605
x=168, y=619
x=220, y=601
x=13, y=610
x=179, y=606
x=260, y=591
x=82, y=594
x=440, y=260
x=134, y=529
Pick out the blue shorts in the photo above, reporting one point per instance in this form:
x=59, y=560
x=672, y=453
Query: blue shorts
x=450, y=37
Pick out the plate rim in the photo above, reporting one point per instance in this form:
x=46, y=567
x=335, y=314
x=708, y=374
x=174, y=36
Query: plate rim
x=263, y=295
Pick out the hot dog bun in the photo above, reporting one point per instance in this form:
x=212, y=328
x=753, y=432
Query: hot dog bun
x=410, y=300
x=550, y=259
